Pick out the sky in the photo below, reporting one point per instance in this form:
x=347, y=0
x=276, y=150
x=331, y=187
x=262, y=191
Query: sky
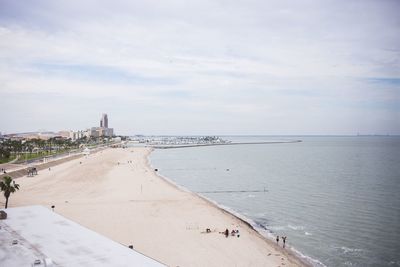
x=201, y=67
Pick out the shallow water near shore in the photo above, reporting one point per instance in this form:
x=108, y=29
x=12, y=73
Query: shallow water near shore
x=336, y=198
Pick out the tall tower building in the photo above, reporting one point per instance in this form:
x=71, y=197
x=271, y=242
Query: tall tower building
x=103, y=130
x=104, y=121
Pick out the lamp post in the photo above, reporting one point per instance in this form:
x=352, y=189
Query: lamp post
x=26, y=155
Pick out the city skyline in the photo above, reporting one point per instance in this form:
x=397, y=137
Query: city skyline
x=201, y=68
x=103, y=124
x=89, y=131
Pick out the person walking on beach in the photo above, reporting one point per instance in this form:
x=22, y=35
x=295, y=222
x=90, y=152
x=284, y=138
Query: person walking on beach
x=284, y=241
x=227, y=232
x=277, y=240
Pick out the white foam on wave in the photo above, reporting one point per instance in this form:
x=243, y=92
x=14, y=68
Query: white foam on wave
x=347, y=250
x=307, y=233
x=312, y=261
x=296, y=227
x=395, y=263
x=278, y=228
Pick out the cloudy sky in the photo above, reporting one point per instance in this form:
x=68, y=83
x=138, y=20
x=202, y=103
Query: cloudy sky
x=201, y=67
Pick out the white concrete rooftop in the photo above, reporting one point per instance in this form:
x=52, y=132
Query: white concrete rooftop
x=35, y=233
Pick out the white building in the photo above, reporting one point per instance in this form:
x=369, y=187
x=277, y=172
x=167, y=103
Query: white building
x=36, y=236
x=79, y=134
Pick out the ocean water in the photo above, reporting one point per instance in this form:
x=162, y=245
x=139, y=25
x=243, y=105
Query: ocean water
x=337, y=199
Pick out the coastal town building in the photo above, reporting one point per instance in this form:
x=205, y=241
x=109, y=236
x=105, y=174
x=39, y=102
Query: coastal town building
x=79, y=134
x=104, y=121
x=103, y=130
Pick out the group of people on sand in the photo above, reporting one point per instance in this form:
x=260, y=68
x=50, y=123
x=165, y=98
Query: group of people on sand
x=129, y=161
x=283, y=240
x=226, y=232
x=233, y=233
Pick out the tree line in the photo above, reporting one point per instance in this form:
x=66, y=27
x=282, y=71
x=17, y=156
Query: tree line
x=11, y=149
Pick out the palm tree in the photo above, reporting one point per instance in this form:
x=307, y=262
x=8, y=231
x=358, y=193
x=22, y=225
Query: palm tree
x=8, y=186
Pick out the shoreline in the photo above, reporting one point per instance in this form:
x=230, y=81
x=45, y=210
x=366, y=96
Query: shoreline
x=117, y=193
x=291, y=252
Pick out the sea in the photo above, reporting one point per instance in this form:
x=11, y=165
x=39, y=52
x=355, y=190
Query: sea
x=336, y=198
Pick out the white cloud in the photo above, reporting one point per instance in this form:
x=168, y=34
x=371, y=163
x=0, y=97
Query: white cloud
x=221, y=67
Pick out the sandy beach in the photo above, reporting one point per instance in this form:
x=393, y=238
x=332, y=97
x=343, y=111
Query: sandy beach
x=115, y=193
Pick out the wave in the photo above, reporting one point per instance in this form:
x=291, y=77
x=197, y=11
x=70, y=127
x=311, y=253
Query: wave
x=278, y=228
x=347, y=250
x=296, y=227
x=394, y=263
x=312, y=261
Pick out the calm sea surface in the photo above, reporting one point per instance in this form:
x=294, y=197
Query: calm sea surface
x=337, y=199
